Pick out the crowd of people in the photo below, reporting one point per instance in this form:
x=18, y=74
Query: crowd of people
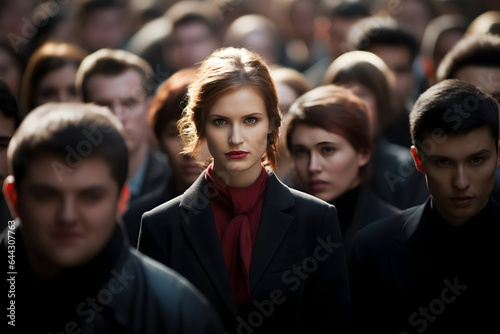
x=312, y=166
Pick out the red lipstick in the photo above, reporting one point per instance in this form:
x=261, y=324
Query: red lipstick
x=236, y=154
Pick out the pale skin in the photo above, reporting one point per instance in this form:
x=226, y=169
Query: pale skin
x=326, y=164
x=124, y=94
x=65, y=224
x=460, y=173
x=57, y=86
x=238, y=121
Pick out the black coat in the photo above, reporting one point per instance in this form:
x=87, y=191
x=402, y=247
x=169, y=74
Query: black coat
x=400, y=284
x=152, y=194
x=298, y=274
x=119, y=291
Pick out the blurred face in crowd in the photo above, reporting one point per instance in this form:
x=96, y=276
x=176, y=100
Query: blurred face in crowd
x=327, y=165
x=460, y=173
x=7, y=128
x=191, y=43
x=398, y=59
x=65, y=224
x=236, y=132
x=104, y=28
x=57, y=86
x=125, y=95
x=184, y=166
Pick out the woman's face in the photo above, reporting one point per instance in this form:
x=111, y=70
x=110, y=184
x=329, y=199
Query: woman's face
x=326, y=163
x=236, y=133
x=57, y=86
x=184, y=166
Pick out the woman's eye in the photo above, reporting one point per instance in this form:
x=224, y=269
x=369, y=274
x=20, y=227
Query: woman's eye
x=328, y=150
x=219, y=121
x=251, y=120
x=299, y=152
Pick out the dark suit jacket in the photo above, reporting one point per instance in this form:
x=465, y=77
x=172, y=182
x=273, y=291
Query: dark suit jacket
x=156, y=179
x=298, y=274
x=394, y=177
x=391, y=277
x=369, y=208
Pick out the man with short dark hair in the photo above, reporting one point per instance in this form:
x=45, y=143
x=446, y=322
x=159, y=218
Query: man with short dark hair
x=70, y=267
x=432, y=267
x=476, y=59
x=124, y=82
x=398, y=48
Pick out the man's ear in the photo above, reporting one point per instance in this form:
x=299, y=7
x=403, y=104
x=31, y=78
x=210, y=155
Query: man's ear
x=10, y=194
x=416, y=159
x=123, y=200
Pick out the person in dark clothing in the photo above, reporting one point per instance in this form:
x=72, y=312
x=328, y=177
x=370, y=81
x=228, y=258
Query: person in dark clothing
x=329, y=135
x=269, y=258
x=70, y=266
x=9, y=121
x=476, y=59
x=432, y=267
x=392, y=171
x=125, y=83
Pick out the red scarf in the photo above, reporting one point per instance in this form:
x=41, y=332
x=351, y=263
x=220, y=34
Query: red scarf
x=236, y=214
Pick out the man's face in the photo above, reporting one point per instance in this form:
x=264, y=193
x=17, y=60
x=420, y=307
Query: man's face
x=66, y=223
x=7, y=128
x=398, y=59
x=125, y=95
x=191, y=43
x=460, y=173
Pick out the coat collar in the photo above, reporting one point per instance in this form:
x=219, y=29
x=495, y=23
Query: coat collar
x=200, y=229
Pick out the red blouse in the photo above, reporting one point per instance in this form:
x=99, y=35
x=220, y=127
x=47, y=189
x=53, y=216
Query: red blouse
x=236, y=214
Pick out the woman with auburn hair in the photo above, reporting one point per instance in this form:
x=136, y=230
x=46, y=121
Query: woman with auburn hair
x=329, y=136
x=269, y=258
x=50, y=75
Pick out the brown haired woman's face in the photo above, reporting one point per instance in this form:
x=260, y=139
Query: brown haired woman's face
x=236, y=133
x=327, y=165
x=57, y=86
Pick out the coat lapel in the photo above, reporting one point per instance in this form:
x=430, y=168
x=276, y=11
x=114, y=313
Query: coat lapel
x=199, y=227
x=273, y=226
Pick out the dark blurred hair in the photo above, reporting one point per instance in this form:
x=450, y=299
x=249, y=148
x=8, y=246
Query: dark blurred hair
x=436, y=110
x=8, y=104
x=337, y=110
x=475, y=50
x=381, y=30
x=60, y=130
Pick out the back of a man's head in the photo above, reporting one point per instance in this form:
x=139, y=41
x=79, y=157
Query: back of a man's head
x=452, y=107
x=70, y=132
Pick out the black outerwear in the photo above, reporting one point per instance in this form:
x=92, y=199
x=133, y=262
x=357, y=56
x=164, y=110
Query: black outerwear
x=119, y=291
x=362, y=207
x=298, y=275
x=414, y=273
x=152, y=194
